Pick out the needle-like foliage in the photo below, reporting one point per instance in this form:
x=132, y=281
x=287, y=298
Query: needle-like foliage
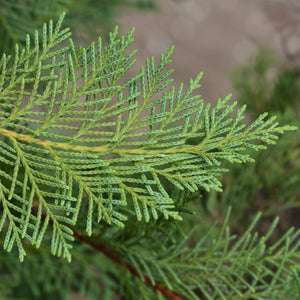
x=203, y=265
x=219, y=266
x=83, y=141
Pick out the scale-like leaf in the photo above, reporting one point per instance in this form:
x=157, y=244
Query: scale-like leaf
x=80, y=137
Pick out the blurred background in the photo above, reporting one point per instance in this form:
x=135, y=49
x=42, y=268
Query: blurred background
x=248, y=48
x=214, y=36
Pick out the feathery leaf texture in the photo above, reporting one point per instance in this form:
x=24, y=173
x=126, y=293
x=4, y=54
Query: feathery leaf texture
x=214, y=265
x=78, y=136
x=222, y=266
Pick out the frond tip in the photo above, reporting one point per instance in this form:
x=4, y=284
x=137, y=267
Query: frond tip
x=81, y=139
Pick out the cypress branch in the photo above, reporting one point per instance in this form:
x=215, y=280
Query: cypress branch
x=85, y=148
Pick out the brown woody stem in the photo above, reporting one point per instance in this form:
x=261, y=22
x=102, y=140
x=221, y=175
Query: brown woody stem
x=116, y=259
x=129, y=267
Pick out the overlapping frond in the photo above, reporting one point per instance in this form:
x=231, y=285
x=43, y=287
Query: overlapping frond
x=222, y=267
x=80, y=136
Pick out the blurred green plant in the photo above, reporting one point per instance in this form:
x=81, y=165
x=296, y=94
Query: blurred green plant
x=21, y=17
x=266, y=84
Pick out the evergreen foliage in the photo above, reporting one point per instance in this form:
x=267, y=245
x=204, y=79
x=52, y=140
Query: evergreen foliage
x=18, y=18
x=87, y=150
x=214, y=266
x=272, y=184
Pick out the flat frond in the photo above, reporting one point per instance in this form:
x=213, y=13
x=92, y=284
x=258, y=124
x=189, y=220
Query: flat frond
x=81, y=138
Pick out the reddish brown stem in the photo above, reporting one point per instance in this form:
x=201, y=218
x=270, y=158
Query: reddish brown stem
x=116, y=259
x=130, y=267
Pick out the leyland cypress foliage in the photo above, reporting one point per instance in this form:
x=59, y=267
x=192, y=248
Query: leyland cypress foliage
x=94, y=161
